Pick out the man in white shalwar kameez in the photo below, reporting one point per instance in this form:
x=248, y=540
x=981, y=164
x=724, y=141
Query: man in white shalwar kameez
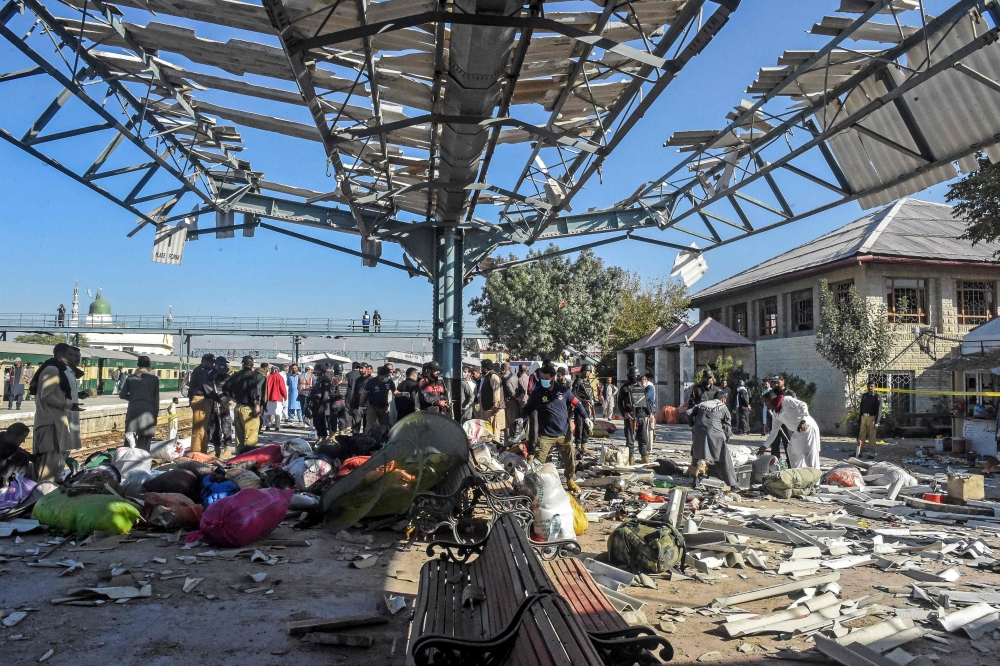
x=803, y=446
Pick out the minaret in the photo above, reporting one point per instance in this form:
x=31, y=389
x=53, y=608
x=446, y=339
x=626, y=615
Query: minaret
x=170, y=316
x=74, y=318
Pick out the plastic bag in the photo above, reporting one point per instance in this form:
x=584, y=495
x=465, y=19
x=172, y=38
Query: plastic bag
x=84, y=514
x=130, y=461
x=168, y=450
x=308, y=471
x=514, y=464
x=888, y=473
x=552, y=507
x=264, y=455
x=296, y=447
x=669, y=414
x=848, y=476
x=245, y=517
x=478, y=430
x=351, y=464
x=580, y=521
x=764, y=465
x=614, y=455
x=19, y=489
x=171, y=511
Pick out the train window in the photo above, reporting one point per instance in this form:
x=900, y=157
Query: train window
x=175, y=374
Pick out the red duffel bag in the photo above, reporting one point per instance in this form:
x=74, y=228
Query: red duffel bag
x=243, y=518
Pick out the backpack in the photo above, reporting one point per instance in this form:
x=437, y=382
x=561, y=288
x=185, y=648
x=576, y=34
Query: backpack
x=642, y=546
x=379, y=395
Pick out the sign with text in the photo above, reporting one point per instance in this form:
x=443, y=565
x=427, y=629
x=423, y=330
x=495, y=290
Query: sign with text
x=168, y=246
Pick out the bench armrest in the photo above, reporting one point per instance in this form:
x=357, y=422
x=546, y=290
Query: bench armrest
x=624, y=647
x=445, y=650
x=551, y=550
x=456, y=552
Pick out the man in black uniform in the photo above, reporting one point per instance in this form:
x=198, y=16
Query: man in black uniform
x=706, y=390
x=869, y=414
x=321, y=401
x=635, y=412
x=584, y=392
x=406, y=395
x=552, y=402
x=352, y=380
x=340, y=415
x=432, y=391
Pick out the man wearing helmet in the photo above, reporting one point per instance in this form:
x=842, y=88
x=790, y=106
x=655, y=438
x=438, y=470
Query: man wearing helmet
x=584, y=392
x=432, y=391
x=635, y=411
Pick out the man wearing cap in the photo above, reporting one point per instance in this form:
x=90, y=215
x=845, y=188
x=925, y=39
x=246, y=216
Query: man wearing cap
x=321, y=401
x=706, y=390
x=432, y=391
x=201, y=405
x=552, y=402
x=244, y=388
x=584, y=392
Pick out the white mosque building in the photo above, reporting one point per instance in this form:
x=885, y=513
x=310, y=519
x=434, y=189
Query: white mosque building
x=139, y=343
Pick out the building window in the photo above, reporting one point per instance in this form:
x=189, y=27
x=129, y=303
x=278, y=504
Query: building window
x=802, y=310
x=906, y=301
x=768, y=310
x=841, y=291
x=175, y=374
x=715, y=313
x=899, y=403
x=975, y=302
x=980, y=406
x=740, y=318
x=128, y=349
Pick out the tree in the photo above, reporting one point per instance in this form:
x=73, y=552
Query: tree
x=47, y=339
x=540, y=308
x=725, y=367
x=646, y=305
x=854, y=335
x=976, y=198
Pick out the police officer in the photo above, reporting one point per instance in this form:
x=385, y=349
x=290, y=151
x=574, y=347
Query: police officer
x=584, y=392
x=432, y=391
x=706, y=390
x=352, y=379
x=340, y=415
x=635, y=411
x=321, y=401
x=552, y=402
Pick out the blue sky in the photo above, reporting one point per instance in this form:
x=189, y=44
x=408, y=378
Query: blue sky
x=56, y=231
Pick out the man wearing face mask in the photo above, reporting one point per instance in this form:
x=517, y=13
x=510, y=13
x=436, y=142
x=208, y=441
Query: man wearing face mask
x=552, y=402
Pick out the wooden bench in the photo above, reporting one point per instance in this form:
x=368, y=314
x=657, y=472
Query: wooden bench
x=459, y=492
x=521, y=621
x=615, y=640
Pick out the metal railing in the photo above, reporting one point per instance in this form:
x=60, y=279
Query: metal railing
x=180, y=324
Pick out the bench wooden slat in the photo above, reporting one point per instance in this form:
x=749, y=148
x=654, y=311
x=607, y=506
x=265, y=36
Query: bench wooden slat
x=572, y=580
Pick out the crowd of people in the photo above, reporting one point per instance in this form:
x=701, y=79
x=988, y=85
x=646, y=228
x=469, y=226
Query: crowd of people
x=545, y=410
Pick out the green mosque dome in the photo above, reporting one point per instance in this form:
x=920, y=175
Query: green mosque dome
x=100, y=306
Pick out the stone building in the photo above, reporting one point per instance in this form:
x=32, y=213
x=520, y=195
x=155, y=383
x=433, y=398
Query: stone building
x=936, y=286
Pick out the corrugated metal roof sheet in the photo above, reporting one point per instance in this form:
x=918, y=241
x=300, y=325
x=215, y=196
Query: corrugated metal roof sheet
x=910, y=228
x=708, y=332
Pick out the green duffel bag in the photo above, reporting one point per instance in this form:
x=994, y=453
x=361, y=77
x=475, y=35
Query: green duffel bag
x=642, y=546
x=788, y=483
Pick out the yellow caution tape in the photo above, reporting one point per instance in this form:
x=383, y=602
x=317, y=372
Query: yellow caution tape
x=988, y=394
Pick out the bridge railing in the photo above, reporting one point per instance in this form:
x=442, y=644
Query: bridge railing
x=36, y=322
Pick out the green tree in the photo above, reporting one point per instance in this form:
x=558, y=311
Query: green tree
x=854, y=335
x=976, y=198
x=725, y=367
x=540, y=308
x=48, y=340
x=647, y=304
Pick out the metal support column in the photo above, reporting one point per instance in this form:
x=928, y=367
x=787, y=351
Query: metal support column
x=448, y=277
x=296, y=340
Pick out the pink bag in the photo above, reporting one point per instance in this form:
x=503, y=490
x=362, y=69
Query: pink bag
x=243, y=518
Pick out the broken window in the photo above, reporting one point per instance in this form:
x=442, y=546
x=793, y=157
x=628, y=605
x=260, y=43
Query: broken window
x=768, y=310
x=802, y=310
x=740, y=318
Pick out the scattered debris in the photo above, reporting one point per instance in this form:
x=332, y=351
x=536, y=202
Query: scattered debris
x=302, y=627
